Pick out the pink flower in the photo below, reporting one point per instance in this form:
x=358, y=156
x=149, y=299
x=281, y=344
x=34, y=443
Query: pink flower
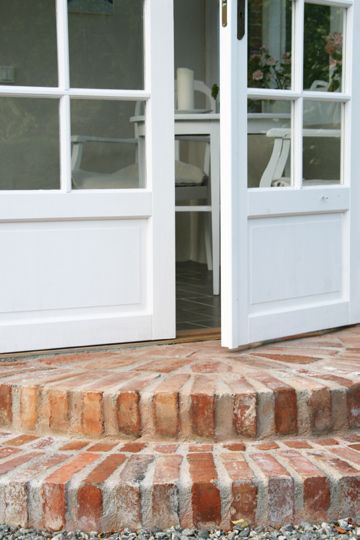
x=286, y=58
x=334, y=42
x=258, y=75
x=270, y=61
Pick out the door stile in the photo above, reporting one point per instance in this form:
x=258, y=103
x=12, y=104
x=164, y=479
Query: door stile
x=160, y=152
x=353, y=150
x=234, y=194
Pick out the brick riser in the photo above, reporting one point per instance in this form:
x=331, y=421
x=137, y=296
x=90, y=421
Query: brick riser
x=106, y=486
x=166, y=412
x=188, y=392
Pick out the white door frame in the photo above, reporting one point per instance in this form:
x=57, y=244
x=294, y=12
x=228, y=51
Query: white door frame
x=240, y=204
x=151, y=210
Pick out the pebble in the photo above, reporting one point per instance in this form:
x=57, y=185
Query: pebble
x=343, y=529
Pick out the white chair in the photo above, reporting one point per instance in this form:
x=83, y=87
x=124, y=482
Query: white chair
x=192, y=183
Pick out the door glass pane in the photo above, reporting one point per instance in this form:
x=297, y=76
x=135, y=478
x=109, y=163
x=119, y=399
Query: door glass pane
x=107, y=145
x=106, y=44
x=269, y=143
x=28, y=52
x=29, y=143
x=322, y=143
x=270, y=41
x=323, y=48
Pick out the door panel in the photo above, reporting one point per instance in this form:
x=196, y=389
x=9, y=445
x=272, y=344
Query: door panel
x=88, y=261
x=288, y=178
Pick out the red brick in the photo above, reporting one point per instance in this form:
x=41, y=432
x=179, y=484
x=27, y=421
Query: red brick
x=205, y=495
x=128, y=413
x=5, y=405
x=21, y=439
x=89, y=494
x=244, y=408
x=297, y=444
x=102, y=447
x=11, y=464
x=92, y=414
x=315, y=484
x=267, y=446
x=75, y=445
x=280, y=489
x=29, y=403
x=165, y=365
x=127, y=502
x=202, y=409
x=16, y=490
x=133, y=447
x=166, y=405
x=320, y=410
x=244, y=489
x=348, y=454
x=355, y=446
x=58, y=410
x=166, y=448
x=340, y=466
x=128, y=406
x=200, y=448
x=53, y=491
x=326, y=442
x=6, y=452
x=235, y=447
x=165, y=500
x=285, y=404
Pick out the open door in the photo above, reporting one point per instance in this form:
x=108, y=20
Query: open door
x=290, y=167
x=86, y=202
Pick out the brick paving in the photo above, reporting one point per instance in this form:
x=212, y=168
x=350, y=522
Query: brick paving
x=188, y=435
x=47, y=482
x=308, y=386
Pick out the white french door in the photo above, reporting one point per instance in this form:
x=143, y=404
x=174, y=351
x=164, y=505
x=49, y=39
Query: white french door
x=86, y=207
x=290, y=167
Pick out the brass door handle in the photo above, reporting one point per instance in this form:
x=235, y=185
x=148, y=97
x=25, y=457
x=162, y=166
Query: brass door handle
x=224, y=13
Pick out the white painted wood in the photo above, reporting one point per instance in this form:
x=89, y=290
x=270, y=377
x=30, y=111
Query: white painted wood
x=290, y=255
x=160, y=168
x=95, y=266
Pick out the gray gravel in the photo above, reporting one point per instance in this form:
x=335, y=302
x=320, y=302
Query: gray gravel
x=343, y=529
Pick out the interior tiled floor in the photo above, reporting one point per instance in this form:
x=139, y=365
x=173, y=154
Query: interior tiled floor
x=196, y=307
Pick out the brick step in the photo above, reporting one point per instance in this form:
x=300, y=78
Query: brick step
x=188, y=392
x=56, y=483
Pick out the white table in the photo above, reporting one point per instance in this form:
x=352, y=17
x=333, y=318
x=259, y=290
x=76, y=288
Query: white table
x=200, y=125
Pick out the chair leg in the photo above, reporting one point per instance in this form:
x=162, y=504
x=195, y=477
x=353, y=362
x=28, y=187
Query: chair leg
x=208, y=243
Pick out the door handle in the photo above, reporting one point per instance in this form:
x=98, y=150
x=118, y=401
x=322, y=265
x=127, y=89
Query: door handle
x=224, y=13
x=241, y=7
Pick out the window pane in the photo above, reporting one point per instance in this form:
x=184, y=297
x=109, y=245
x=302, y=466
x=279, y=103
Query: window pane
x=28, y=54
x=322, y=143
x=106, y=154
x=270, y=39
x=269, y=143
x=106, y=44
x=323, y=48
x=29, y=143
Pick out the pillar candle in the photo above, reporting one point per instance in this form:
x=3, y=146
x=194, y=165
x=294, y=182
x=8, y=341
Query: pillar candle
x=185, y=89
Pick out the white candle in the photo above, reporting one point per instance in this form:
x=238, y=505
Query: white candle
x=185, y=89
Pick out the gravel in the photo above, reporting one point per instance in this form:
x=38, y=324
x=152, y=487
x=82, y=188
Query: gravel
x=343, y=529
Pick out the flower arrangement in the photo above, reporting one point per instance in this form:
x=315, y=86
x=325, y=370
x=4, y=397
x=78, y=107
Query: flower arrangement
x=267, y=72
x=334, y=48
